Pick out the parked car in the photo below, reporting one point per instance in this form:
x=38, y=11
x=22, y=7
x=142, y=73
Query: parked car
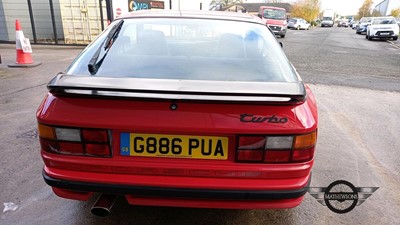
x=299, y=24
x=343, y=23
x=275, y=18
x=383, y=27
x=362, y=26
x=169, y=109
x=354, y=24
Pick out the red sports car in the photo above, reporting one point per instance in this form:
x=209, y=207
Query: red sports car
x=188, y=109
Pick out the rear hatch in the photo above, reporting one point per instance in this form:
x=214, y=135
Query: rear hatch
x=208, y=123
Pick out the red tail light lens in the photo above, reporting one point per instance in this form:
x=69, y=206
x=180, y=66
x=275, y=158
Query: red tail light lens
x=49, y=145
x=277, y=156
x=74, y=141
x=91, y=135
x=250, y=156
x=98, y=149
x=302, y=155
x=257, y=142
x=276, y=149
x=72, y=148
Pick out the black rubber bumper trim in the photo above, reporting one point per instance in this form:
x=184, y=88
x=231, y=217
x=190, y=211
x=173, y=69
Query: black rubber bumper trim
x=176, y=192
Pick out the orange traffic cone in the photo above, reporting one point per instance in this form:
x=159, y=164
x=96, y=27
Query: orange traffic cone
x=24, y=49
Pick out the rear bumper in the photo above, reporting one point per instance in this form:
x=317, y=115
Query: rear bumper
x=181, y=197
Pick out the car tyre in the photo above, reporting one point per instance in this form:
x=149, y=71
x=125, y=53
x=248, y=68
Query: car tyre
x=358, y=32
x=369, y=38
x=283, y=36
x=395, y=38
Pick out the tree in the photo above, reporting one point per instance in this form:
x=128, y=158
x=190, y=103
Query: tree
x=365, y=9
x=306, y=9
x=395, y=12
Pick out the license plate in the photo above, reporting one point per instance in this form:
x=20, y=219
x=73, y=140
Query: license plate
x=174, y=146
x=384, y=33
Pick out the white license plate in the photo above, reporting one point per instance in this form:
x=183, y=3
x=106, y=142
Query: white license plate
x=384, y=33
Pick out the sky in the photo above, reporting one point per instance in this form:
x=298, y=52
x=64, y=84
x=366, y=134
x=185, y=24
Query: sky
x=345, y=7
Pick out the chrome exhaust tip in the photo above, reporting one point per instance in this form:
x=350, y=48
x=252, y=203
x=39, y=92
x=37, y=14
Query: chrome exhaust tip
x=102, y=206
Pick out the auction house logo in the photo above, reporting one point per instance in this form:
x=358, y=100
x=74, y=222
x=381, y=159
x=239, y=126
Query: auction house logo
x=341, y=196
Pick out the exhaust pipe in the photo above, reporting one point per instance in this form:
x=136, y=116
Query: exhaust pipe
x=102, y=206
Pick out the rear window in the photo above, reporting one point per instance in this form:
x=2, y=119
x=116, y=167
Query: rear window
x=190, y=49
x=293, y=20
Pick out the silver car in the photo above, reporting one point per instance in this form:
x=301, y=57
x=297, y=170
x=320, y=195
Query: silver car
x=299, y=24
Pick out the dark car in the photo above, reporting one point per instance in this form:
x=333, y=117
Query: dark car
x=188, y=109
x=363, y=24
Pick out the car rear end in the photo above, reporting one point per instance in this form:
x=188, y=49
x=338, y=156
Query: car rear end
x=186, y=128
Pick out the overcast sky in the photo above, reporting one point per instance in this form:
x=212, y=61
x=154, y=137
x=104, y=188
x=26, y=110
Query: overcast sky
x=345, y=7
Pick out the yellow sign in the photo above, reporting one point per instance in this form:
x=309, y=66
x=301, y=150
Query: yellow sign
x=178, y=146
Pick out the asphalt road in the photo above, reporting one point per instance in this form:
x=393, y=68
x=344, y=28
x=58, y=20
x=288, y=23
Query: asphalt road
x=357, y=86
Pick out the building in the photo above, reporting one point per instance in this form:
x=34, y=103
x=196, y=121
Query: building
x=75, y=21
x=386, y=6
x=53, y=21
x=81, y=21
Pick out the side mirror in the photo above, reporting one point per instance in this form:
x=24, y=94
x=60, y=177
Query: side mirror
x=281, y=44
x=259, y=15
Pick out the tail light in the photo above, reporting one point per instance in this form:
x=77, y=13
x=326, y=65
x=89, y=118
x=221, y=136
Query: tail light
x=74, y=141
x=276, y=149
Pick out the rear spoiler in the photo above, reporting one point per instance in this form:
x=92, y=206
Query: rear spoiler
x=172, y=89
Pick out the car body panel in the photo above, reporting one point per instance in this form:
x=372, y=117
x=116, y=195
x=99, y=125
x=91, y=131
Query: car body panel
x=205, y=109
